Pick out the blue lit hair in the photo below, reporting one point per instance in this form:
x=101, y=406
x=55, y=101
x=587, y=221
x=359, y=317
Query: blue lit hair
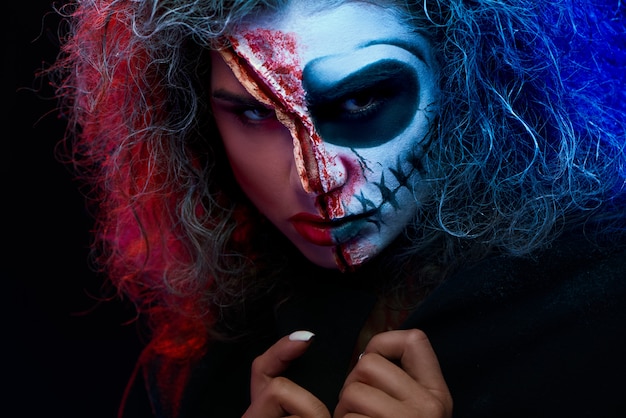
x=531, y=137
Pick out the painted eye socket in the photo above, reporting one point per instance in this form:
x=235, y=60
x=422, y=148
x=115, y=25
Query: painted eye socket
x=359, y=103
x=357, y=107
x=367, y=108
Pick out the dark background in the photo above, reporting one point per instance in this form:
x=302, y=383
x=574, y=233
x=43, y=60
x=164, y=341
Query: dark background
x=66, y=354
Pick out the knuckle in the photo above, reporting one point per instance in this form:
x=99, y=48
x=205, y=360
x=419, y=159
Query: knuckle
x=366, y=365
x=434, y=407
x=431, y=408
x=257, y=366
x=318, y=410
x=377, y=339
x=279, y=386
x=416, y=336
x=350, y=394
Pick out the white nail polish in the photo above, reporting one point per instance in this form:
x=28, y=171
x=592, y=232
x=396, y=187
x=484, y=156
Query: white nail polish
x=301, y=336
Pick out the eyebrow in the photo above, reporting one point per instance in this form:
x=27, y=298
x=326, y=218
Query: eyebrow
x=236, y=98
x=400, y=43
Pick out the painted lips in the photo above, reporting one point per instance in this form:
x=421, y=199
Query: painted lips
x=320, y=231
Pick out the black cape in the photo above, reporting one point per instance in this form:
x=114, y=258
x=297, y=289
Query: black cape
x=515, y=337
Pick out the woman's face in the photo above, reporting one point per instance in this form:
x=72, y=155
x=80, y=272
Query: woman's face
x=325, y=117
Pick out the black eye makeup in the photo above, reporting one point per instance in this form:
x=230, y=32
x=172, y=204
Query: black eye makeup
x=365, y=109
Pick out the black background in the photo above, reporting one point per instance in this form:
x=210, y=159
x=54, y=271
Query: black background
x=66, y=354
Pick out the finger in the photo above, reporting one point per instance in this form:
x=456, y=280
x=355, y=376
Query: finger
x=361, y=398
x=377, y=390
x=403, y=367
x=282, y=397
x=277, y=358
x=412, y=349
x=380, y=373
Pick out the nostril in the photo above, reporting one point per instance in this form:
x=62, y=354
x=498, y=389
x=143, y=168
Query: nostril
x=337, y=170
x=330, y=204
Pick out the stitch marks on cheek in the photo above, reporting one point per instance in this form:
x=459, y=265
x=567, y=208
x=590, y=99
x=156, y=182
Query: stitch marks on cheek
x=362, y=187
x=386, y=203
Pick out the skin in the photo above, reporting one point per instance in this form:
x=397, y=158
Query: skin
x=260, y=153
x=339, y=198
x=326, y=138
x=397, y=376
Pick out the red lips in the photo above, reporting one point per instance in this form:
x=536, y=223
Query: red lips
x=313, y=228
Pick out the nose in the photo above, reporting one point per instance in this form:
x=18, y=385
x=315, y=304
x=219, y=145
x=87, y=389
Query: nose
x=320, y=166
x=334, y=167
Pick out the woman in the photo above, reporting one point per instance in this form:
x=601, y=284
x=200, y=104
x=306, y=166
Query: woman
x=433, y=189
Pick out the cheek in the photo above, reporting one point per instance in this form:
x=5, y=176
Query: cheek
x=260, y=161
x=261, y=175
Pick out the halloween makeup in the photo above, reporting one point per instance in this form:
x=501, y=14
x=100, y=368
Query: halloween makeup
x=336, y=107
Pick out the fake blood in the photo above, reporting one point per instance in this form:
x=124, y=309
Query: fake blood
x=273, y=55
x=270, y=69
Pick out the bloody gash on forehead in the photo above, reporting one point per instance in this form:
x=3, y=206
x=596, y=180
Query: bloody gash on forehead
x=371, y=193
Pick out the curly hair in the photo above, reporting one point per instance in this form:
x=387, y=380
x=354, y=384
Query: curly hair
x=529, y=141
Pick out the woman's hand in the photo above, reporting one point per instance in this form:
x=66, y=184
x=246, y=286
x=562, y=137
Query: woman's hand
x=397, y=376
x=273, y=396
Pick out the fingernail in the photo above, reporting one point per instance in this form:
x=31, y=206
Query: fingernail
x=301, y=336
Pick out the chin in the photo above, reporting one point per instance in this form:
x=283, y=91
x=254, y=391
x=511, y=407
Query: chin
x=321, y=256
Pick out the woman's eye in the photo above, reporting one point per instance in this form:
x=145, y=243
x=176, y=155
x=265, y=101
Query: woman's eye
x=367, y=108
x=258, y=114
x=359, y=103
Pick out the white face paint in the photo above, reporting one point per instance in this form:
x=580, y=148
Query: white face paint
x=355, y=88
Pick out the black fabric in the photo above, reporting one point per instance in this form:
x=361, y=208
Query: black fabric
x=542, y=338
x=336, y=319
x=515, y=338
x=335, y=313
x=220, y=385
